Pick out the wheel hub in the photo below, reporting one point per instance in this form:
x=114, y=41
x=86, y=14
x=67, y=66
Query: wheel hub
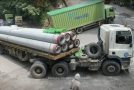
x=93, y=50
x=80, y=30
x=38, y=70
x=111, y=68
x=60, y=70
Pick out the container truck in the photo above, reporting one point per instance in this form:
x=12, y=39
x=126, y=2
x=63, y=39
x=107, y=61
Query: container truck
x=81, y=16
x=111, y=54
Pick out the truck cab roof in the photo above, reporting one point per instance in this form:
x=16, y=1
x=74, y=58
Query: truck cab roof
x=114, y=27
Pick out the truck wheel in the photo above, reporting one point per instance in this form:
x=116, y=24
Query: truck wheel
x=38, y=70
x=93, y=50
x=111, y=68
x=79, y=30
x=60, y=69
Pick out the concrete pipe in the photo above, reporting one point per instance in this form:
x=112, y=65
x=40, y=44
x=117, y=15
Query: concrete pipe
x=64, y=47
x=76, y=42
x=39, y=45
x=73, y=35
x=71, y=44
x=32, y=33
x=67, y=36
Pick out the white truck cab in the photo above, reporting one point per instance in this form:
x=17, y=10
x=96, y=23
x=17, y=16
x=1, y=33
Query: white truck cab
x=111, y=54
x=117, y=45
x=117, y=40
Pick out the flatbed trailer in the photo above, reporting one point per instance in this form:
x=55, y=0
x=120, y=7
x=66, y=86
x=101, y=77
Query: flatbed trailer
x=41, y=60
x=39, y=53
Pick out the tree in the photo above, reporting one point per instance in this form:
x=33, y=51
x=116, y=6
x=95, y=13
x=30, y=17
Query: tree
x=33, y=10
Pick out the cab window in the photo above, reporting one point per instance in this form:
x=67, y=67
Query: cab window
x=123, y=37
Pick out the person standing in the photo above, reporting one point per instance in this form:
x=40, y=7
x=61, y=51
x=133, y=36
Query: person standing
x=75, y=83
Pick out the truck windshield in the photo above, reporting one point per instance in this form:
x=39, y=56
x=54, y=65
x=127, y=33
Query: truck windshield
x=123, y=37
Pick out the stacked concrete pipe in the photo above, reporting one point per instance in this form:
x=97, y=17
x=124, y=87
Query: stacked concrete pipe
x=39, y=45
x=71, y=40
x=72, y=34
x=30, y=33
x=37, y=39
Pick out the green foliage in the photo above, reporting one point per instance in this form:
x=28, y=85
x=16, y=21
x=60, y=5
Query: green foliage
x=18, y=7
x=24, y=8
x=27, y=8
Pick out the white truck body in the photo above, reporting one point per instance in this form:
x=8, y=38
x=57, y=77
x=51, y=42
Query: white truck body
x=112, y=45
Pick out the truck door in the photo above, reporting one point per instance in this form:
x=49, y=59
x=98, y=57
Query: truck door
x=123, y=44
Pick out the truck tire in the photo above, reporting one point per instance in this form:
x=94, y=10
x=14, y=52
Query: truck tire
x=38, y=70
x=79, y=30
x=60, y=69
x=111, y=68
x=93, y=50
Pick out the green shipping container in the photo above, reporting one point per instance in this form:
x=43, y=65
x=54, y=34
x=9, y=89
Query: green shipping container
x=78, y=15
